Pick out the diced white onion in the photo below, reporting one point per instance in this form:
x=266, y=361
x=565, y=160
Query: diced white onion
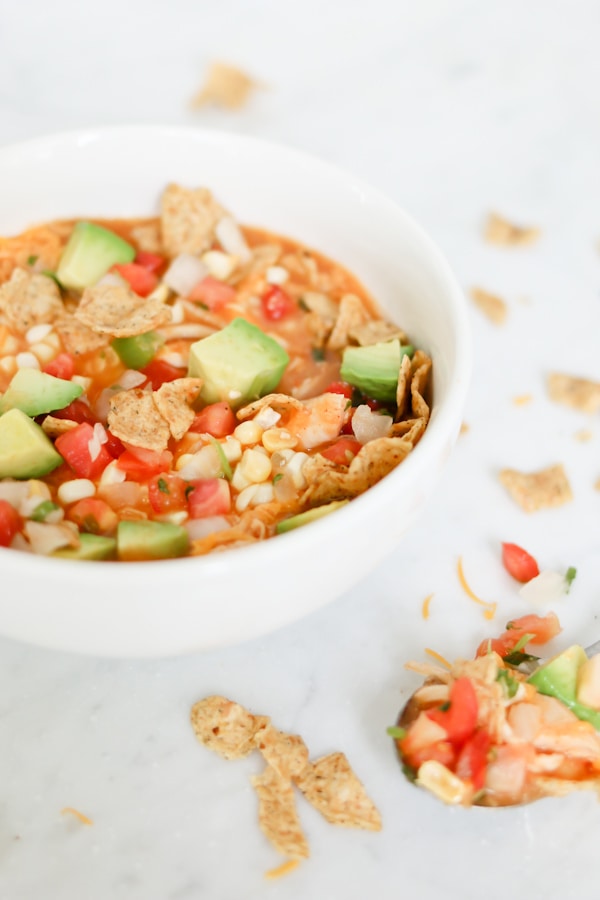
x=37, y=333
x=112, y=279
x=82, y=381
x=184, y=273
x=206, y=463
x=175, y=518
x=220, y=265
x=277, y=275
x=77, y=489
x=112, y=475
x=94, y=447
x=177, y=313
x=267, y=417
x=102, y=405
x=27, y=361
x=231, y=239
x=201, y=528
x=131, y=378
x=368, y=425
x=177, y=360
x=294, y=468
x=545, y=589
x=100, y=432
x=161, y=292
x=45, y=538
x=14, y=492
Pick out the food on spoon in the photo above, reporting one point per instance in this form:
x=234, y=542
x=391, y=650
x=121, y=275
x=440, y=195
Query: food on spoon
x=196, y=384
x=489, y=732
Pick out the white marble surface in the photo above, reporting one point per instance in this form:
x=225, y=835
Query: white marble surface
x=453, y=107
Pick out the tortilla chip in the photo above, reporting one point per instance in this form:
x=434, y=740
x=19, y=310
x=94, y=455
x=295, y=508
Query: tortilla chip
x=411, y=430
x=30, y=299
x=77, y=338
x=134, y=418
x=226, y=727
x=173, y=400
x=421, y=368
x=500, y=231
x=277, y=815
x=352, y=314
x=188, y=219
x=221, y=540
x=490, y=305
x=43, y=242
x=584, y=435
x=578, y=393
x=331, y=786
x=375, y=332
x=538, y=490
x=403, y=385
x=148, y=238
x=287, y=754
x=225, y=86
x=464, y=428
x=281, y=403
x=54, y=427
x=374, y=461
x=597, y=485
x=117, y=311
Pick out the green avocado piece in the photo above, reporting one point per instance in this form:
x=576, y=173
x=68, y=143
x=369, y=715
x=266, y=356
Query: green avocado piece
x=141, y=540
x=238, y=364
x=90, y=252
x=25, y=451
x=136, y=352
x=374, y=369
x=310, y=515
x=558, y=678
x=91, y=546
x=34, y=393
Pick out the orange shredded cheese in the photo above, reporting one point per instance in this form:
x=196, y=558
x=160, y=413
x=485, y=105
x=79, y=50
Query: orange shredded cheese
x=522, y=399
x=438, y=656
x=425, y=607
x=490, y=608
x=78, y=815
x=284, y=869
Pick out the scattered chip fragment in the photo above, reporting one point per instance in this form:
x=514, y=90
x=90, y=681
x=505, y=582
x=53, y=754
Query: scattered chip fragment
x=173, y=400
x=490, y=305
x=499, y=230
x=227, y=86
x=538, y=490
x=277, y=814
x=332, y=787
x=286, y=753
x=226, y=727
x=352, y=315
x=118, y=311
x=134, y=418
x=30, y=298
x=578, y=393
x=188, y=219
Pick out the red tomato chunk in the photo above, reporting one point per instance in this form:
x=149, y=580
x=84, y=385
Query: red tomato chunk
x=10, y=523
x=209, y=497
x=141, y=280
x=276, y=304
x=212, y=293
x=141, y=464
x=217, y=419
x=76, y=448
x=62, y=366
x=166, y=493
x=94, y=516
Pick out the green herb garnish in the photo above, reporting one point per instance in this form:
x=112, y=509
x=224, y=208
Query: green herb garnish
x=41, y=512
x=163, y=486
x=189, y=490
x=31, y=260
x=225, y=467
x=522, y=642
x=510, y=684
x=303, y=304
x=445, y=706
x=409, y=772
x=570, y=576
x=277, y=477
x=516, y=658
x=396, y=732
x=318, y=354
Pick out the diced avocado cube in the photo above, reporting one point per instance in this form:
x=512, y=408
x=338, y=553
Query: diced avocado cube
x=90, y=252
x=311, y=515
x=238, y=364
x=91, y=546
x=141, y=540
x=374, y=369
x=558, y=678
x=34, y=393
x=25, y=451
x=136, y=352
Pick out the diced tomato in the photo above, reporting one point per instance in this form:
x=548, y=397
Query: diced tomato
x=140, y=279
x=374, y=404
x=209, y=497
x=442, y=752
x=541, y=629
x=94, y=516
x=276, y=303
x=113, y=445
x=62, y=366
x=74, y=447
x=76, y=411
x=519, y=563
x=340, y=387
x=150, y=261
x=212, y=292
x=459, y=719
x=10, y=523
x=141, y=464
x=473, y=759
x=167, y=493
x=217, y=419
x=158, y=372
x=347, y=426
x=342, y=451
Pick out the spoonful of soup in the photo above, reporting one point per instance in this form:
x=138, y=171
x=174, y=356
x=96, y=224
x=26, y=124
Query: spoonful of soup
x=507, y=727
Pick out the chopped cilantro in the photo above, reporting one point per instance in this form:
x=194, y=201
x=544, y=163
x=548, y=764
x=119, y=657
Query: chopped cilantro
x=396, y=732
x=277, y=477
x=516, y=658
x=163, y=486
x=522, y=641
x=201, y=304
x=188, y=490
x=52, y=275
x=303, y=304
x=31, y=260
x=225, y=467
x=409, y=772
x=570, y=576
x=318, y=354
x=42, y=511
x=445, y=706
x=510, y=684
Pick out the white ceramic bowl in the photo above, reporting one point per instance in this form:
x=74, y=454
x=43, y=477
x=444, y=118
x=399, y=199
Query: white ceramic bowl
x=181, y=606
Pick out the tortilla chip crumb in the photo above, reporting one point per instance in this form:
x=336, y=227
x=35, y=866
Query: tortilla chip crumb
x=134, y=418
x=578, y=393
x=464, y=428
x=226, y=727
x=522, y=399
x=226, y=86
x=69, y=810
x=284, y=869
x=499, y=230
x=331, y=786
x=597, y=485
x=54, y=427
x=490, y=305
x=584, y=435
x=277, y=815
x=173, y=401
x=538, y=490
x=286, y=753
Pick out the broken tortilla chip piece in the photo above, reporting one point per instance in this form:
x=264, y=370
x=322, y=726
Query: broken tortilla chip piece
x=188, y=219
x=538, y=490
x=147, y=237
x=30, y=299
x=42, y=243
x=403, y=386
x=421, y=368
x=332, y=787
x=226, y=727
x=225, y=85
x=281, y=403
x=578, y=393
x=54, y=427
x=376, y=331
x=118, y=311
x=287, y=754
x=490, y=305
x=77, y=338
x=499, y=230
x=352, y=314
x=134, y=418
x=173, y=399
x=277, y=814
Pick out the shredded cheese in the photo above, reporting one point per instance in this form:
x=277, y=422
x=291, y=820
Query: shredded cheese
x=78, y=815
x=425, y=607
x=489, y=608
x=284, y=869
x=522, y=399
x=437, y=656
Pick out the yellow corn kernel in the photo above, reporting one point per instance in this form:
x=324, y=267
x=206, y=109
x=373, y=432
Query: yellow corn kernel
x=255, y=465
x=10, y=345
x=8, y=365
x=232, y=449
x=278, y=439
x=248, y=433
x=43, y=352
x=443, y=783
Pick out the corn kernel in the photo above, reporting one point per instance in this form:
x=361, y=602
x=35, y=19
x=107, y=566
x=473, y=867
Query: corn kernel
x=254, y=495
x=112, y=475
x=232, y=449
x=78, y=489
x=27, y=360
x=206, y=463
x=255, y=465
x=294, y=467
x=38, y=333
x=43, y=352
x=10, y=345
x=248, y=433
x=443, y=783
x=8, y=365
x=53, y=341
x=82, y=381
x=220, y=265
x=278, y=439
x=239, y=480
